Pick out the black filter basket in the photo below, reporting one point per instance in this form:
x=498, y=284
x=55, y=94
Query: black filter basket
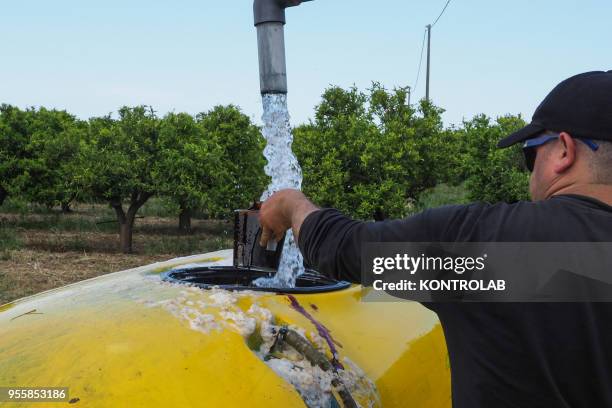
x=247, y=233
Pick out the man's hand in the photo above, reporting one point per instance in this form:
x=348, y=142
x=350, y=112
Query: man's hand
x=283, y=210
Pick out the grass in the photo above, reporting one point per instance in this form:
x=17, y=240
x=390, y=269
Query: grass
x=43, y=248
x=158, y=207
x=442, y=194
x=186, y=245
x=58, y=222
x=9, y=239
x=19, y=206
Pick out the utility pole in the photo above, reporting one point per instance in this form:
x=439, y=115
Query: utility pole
x=428, y=61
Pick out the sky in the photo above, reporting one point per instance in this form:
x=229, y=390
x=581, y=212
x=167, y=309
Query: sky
x=490, y=57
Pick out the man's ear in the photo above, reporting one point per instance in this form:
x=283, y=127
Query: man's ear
x=565, y=156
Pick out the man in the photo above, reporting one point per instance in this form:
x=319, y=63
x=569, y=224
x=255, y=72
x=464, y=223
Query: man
x=505, y=354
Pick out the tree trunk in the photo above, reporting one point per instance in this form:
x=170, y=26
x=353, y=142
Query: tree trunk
x=3, y=195
x=125, y=230
x=66, y=204
x=125, y=236
x=126, y=219
x=185, y=220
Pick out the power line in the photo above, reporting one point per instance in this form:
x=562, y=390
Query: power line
x=420, y=61
x=425, y=34
x=442, y=12
x=429, y=27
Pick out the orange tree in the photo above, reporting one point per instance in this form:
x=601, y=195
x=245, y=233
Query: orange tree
x=14, y=139
x=238, y=144
x=492, y=174
x=49, y=166
x=117, y=163
x=189, y=167
x=371, y=154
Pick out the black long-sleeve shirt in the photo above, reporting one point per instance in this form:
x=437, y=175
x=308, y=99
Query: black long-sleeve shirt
x=501, y=354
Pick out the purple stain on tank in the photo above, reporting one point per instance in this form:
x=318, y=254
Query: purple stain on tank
x=321, y=329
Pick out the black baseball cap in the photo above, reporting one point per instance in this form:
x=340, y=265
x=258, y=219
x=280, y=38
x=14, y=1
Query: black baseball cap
x=580, y=105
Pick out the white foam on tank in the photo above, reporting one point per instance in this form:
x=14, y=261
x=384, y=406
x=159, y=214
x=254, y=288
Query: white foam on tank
x=223, y=298
x=208, y=310
x=313, y=384
x=197, y=320
x=241, y=322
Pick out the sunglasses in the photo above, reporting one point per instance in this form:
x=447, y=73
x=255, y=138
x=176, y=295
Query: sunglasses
x=530, y=151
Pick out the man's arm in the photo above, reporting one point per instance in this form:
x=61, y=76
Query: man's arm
x=321, y=240
x=285, y=209
x=330, y=241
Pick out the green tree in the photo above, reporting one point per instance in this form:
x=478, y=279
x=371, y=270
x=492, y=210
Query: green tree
x=189, y=166
x=370, y=154
x=49, y=167
x=493, y=174
x=14, y=139
x=117, y=164
x=329, y=150
x=239, y=144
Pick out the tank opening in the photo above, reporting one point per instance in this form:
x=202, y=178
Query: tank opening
x=240, y=278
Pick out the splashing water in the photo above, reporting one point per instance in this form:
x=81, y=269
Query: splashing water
x=285, y=172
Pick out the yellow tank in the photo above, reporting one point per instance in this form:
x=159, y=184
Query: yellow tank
x=129, y=339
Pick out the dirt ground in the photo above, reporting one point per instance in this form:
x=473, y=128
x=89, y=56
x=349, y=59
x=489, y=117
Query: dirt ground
x=43, y=251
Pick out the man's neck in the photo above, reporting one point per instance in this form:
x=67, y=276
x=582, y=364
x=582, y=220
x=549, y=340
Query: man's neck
x=601, y=192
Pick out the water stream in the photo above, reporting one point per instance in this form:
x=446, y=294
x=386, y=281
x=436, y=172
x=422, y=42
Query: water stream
x=285, y=172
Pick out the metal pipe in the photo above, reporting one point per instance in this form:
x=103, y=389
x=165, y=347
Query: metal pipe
x=272, y=64
x=269, y=16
